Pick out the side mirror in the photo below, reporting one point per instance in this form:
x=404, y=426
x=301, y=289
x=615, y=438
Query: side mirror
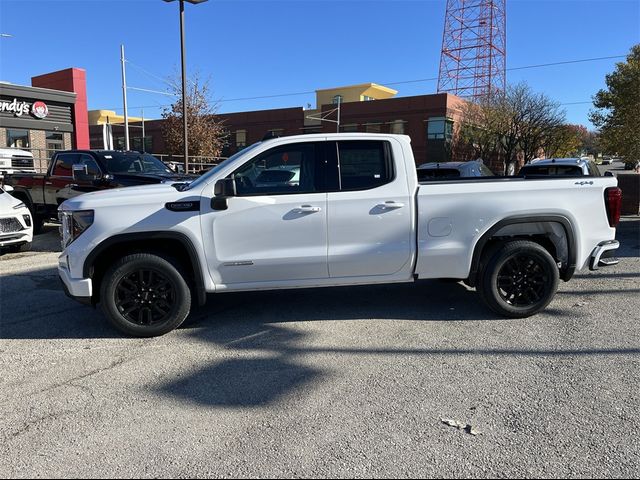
x=8, y=188
x=80, y=174
x=225, y=188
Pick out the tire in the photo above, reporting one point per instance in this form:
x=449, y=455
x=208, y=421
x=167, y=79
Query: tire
x=145, y=295
x=518, y=279
x=20, y=247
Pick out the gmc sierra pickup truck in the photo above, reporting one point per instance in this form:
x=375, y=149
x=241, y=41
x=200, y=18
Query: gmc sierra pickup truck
x=74, y=172
x=324, y=210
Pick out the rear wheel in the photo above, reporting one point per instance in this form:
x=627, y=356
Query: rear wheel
x=145, y=295
x=518, y=279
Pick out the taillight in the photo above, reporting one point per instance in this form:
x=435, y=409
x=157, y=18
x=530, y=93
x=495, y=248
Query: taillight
x=613, y=202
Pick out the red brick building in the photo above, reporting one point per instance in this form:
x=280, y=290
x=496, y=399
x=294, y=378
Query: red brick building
x=428, y=119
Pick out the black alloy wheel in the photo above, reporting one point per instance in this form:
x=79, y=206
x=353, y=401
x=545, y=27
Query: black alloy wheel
x=522, y=280
x=145, y=297
x=518, y=278
x=145, y=294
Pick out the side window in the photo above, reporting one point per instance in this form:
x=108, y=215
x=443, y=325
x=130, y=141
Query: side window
x=364, y=164
x=91, y=166
x=62, y=167
x=288, y=169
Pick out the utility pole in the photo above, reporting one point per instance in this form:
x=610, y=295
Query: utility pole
x=124, y=100
x=143, y=145
x=184, y=89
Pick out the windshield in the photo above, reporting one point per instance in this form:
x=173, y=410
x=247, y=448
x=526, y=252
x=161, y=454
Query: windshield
x=132, y=162
x=204, y=179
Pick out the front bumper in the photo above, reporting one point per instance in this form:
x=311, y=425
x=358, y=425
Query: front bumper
x=80, y=289
x=16, y=228
x=601, y=255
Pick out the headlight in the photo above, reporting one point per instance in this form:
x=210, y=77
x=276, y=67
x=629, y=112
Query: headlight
x=19, y=206
x=74, y=224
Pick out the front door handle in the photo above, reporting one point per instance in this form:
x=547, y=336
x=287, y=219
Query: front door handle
x=390, y=205
x=308, y=209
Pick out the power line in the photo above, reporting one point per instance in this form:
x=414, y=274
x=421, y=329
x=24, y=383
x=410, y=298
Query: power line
x=541, y=65
x=566, y=62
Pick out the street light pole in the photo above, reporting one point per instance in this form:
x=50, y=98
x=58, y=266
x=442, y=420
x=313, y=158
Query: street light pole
x=184, y=90
x=184, y=81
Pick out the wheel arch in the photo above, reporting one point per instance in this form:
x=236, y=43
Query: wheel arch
x=541, y=229
x=174, y=244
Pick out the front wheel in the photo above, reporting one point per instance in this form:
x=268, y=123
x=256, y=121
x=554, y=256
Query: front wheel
x=519, y=279
x=145, y=295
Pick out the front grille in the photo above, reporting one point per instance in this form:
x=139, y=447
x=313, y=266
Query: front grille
x=19, y=161
x=9, y=225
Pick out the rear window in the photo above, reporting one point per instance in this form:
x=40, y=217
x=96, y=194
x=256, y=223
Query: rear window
x=364, y=164
x=567, y=170
x=439, y=173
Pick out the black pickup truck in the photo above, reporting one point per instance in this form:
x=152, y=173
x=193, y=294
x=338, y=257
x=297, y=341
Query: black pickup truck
x=74, y=172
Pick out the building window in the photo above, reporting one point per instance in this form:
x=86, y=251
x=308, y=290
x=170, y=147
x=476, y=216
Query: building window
x=241, y=138
x=372, y=127
x=338, y=99
x=55, y=142
x=351, y=127
x=439, y=128
x=18, y=139
x=397, y=127
x=366, y=98
x=136, y=144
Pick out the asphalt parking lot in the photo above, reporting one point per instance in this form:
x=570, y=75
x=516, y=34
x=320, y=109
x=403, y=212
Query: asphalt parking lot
x=350, y=382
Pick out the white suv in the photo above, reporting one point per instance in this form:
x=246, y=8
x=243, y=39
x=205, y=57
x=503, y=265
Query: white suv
x=16, y=224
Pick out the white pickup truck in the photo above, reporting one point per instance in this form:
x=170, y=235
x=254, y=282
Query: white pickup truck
x=325, y=210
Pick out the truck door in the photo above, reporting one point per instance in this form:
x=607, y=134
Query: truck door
x=370, y=217
x=60, y=179
x=275, y=229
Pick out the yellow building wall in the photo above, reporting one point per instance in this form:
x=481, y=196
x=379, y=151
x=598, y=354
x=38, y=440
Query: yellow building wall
x=101, y=117
x=354, y=93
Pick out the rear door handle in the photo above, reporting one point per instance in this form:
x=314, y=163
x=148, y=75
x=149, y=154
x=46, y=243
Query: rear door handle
x=390, y=205
x=308, y=209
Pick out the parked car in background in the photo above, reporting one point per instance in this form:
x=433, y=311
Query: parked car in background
x=13, y=160
x=607, y=160
x=575, y=167
x=16, y=226
x=447, y=170
x=74, y=172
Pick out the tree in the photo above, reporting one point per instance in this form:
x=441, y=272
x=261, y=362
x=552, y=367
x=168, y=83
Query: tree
x=206, y=135
x=516, y=120
x=541, y=120
x=618, y=108
x=565, y=141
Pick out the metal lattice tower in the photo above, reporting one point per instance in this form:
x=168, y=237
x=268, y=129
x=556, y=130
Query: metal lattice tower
x=473, y=58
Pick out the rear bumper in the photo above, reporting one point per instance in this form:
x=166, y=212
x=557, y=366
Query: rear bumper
x=602, y=255
x=77, y=289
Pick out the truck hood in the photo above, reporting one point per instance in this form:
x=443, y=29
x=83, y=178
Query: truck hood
x=156, y=194
x=144, y=178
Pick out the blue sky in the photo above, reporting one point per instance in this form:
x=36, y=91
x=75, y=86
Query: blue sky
x=255, y=48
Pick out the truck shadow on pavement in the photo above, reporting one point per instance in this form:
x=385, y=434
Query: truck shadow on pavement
x=266, y=351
